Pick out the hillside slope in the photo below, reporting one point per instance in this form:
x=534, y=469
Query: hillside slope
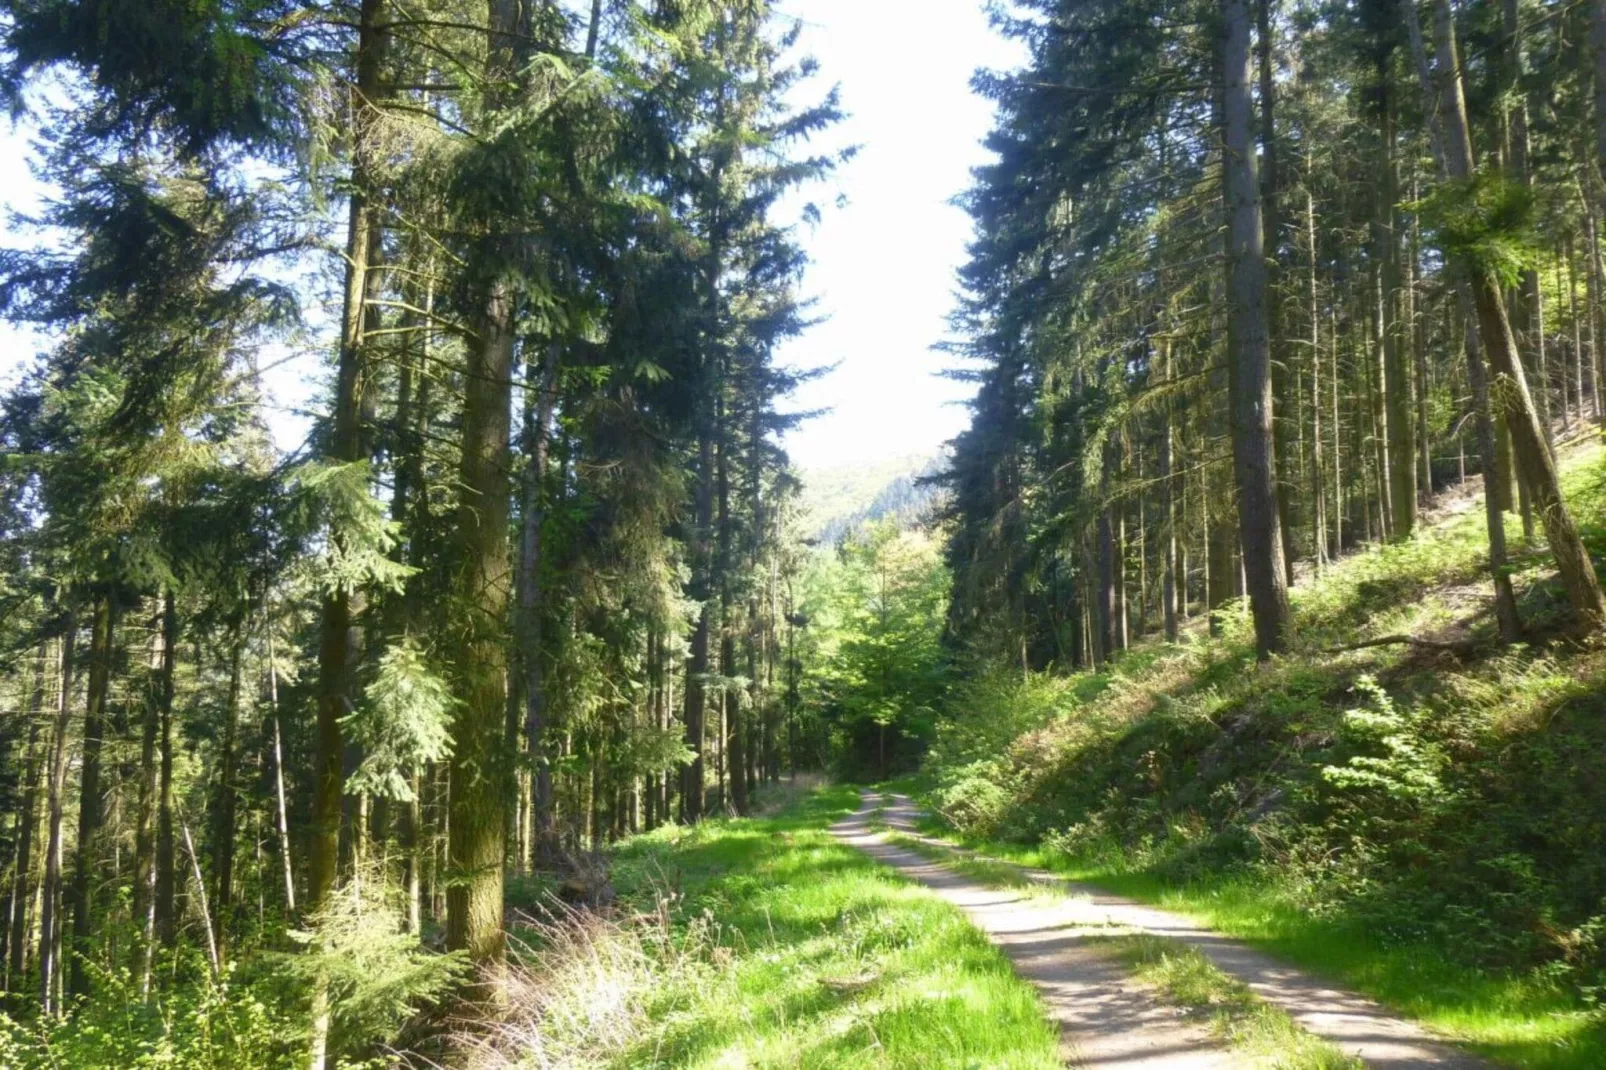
x=839, y=498
x=1426, y=822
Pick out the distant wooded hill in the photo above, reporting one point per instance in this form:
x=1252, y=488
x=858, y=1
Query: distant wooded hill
x=839, y=498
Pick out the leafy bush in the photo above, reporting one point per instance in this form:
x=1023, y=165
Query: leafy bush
x=226, y=1024
x=974, y=783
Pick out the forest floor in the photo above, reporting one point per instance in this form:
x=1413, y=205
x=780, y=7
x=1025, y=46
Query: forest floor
x=1114, y=974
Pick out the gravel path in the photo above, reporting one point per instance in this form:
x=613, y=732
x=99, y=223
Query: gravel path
x=1110, y=1023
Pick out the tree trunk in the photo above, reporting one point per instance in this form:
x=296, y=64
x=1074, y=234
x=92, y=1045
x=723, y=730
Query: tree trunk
x=339, y=645
x=50, y=895
x=1249, y=354
x=1592, y=295
x=1168, y=508
x=655, y=689
x=1597, y=201
x=1400, y=469
x=1525, y=311
x=709, y=432
x=1317, y=464
x=413, y=829
x=1338, y=442
x=165, y=909
x=480, y=771
x=1118, y=587
x=691, y=790
x=159, y=693
x=537, y=435
x=1108, y=604
x=1418, y=335
x=224, y=823
x=28, y=820
x=1505, y=600
x=1579, y=362
x=282, y=809
x=1271, y=231
x=1381, y=411
x=90, y=818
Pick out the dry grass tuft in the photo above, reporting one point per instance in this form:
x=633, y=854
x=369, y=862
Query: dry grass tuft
x=576, y=991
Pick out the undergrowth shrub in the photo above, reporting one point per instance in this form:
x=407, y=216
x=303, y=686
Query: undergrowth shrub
x=230, y=1023
x=375, y=976
x=974, y=782
x=257, y=1013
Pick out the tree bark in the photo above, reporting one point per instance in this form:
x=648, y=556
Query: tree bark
x=282, y=810
x=1168, y=508
x=1271, y=232
x=90, y=817
x=1108, y=604
x=709, y=433
x=416, y=516
x=1401, y=457
x=50, y=894
x=1378, y=412
x=481, y=771
x=165, y=909
x=537, y=434
x=340, y=642
x=1597, y=202
x=693, y=776
x=1248, y=349
x=159, y=695
x=1317, y=463
x=28, y=820
x=224, y=824
x=1505, y=600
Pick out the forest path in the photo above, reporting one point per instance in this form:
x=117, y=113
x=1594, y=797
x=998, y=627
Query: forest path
x=1109, y=1022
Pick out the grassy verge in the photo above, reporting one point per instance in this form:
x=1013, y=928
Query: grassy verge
x=817, y=957
x=1515, y=1019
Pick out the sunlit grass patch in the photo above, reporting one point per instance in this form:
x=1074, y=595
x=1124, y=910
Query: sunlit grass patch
x=822, y=958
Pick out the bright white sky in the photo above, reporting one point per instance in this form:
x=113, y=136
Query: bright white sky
x=883, y=262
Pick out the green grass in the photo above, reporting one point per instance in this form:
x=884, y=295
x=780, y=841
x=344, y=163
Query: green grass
x=1515, y=1019
x=822, y=958
x=1185, y=978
